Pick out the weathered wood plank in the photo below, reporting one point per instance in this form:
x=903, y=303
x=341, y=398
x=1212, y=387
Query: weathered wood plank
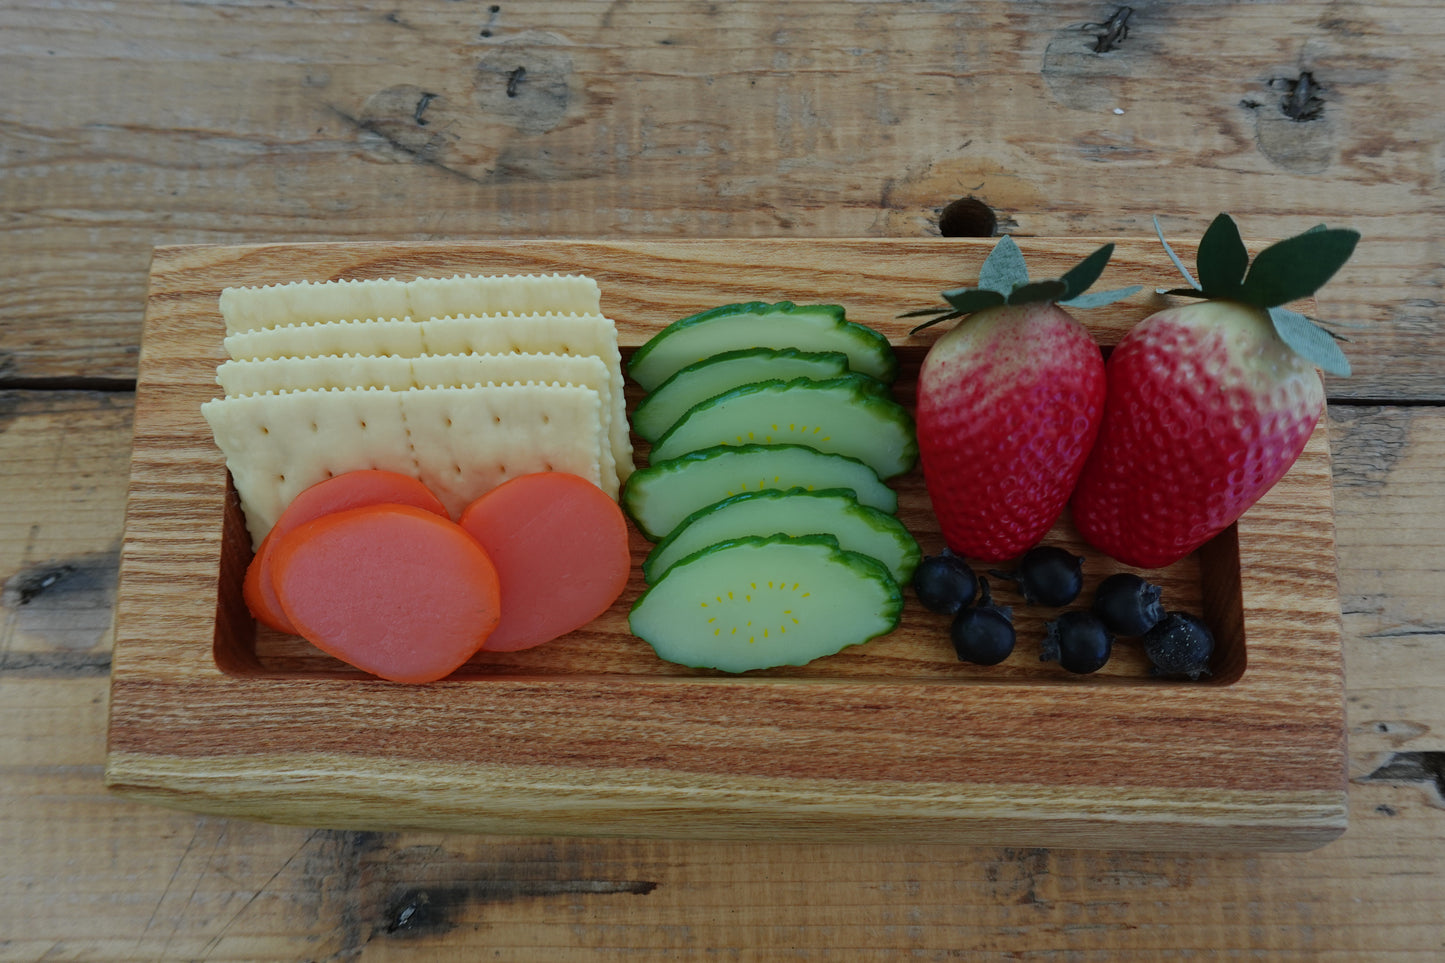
x=60, y=457
x=89, y=876
x=247, y=122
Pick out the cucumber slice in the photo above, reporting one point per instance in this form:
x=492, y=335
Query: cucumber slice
x=835, y=512
x=755, y=603
x=810, y=327
x=841, y=415
x=710, y=377
x=660, y=496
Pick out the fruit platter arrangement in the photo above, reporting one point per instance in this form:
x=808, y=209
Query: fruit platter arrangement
x=735, y=538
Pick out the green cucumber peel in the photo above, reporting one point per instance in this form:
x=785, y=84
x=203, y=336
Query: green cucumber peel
x=703, y=477
x=857, y=395
x=722, y=607
x=869, y=531
x=868, y=350
x=1286, y=271
x=1004, y=279
x=659, y=409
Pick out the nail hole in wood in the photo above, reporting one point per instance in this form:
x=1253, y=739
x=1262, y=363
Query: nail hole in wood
x=967, y=217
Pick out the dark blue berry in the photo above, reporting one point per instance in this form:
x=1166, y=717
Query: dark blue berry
x=1179, y=645
x=1077, y=641
x=1048, y=575
x=944, y=583
x=984, y=633
x=1127, y=604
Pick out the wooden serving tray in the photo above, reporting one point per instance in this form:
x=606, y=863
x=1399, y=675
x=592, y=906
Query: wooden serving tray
x=592, y=734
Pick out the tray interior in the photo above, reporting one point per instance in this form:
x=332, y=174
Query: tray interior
x=1206, y=583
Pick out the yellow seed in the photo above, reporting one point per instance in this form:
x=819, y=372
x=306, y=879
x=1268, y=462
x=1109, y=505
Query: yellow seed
x=717, y=631
x=796, y=622
x=765, y=633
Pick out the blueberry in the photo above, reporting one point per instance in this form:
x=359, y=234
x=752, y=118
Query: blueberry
x=1179, y=644
x=1127, y=604
x=944, y=583
x=1077, y=641
x=1048, y=575
x=983, y=634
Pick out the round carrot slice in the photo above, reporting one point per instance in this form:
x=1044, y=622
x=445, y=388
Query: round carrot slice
x=352, y=489
x=394, y=590
x=560, y=547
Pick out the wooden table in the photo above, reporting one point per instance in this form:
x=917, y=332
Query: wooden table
x=126, y=126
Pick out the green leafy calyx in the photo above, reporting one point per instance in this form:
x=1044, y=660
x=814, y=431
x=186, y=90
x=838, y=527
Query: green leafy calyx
x=1004, y=279
x=1285, y=271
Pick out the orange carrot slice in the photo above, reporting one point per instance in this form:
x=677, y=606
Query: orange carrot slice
x=560, y=547
x=258, y=591
x=353, y=489
x=394, y=590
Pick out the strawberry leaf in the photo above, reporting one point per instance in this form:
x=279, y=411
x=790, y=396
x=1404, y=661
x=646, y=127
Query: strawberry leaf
x=1174, y=257
x=1081, y=276
x=1297, y=266
x=939, y=318
x=1308, y=340
x=1004, y=279
x=1223, y=258
x=1004, y=268
x=969, y=300
x=1100, y=298
x=1045, y=291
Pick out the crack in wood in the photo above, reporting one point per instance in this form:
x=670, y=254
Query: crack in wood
x=1113, y=32
x=514, y=79
x=1426, y=767
x=422, y=103
x=420, y=154
x=1301, y=97
x=55, y=665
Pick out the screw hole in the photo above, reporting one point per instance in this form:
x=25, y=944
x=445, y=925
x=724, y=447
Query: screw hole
x=967, y=217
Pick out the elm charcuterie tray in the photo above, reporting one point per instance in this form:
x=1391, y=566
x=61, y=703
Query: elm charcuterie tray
x=893, y=740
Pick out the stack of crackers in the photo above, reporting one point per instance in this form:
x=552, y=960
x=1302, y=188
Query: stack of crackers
x=460, y=382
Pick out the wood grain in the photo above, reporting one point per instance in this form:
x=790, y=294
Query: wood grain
x=248, y=123
x=600, y=738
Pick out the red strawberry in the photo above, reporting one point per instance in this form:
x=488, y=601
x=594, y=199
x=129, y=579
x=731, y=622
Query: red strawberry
x=1210, y=404
x=1009, y=403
